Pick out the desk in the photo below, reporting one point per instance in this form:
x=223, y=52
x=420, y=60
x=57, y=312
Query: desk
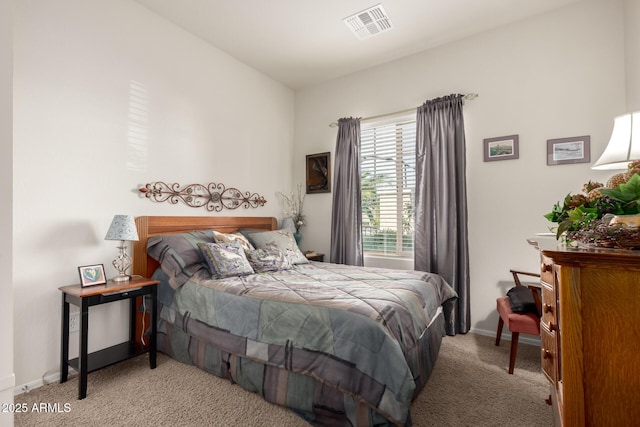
x=101, y=294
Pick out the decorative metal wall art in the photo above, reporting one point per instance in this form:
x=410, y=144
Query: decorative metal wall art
x=213, y=197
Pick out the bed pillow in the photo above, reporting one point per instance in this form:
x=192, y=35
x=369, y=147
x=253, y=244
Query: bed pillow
x=232, y=237
x=247, y=232
x=179, y=255
x=226, y=259
x=283, y=240
x=269, y=258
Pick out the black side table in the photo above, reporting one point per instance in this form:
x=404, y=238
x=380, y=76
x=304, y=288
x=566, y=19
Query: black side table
x=101, y=294
x=314, y=256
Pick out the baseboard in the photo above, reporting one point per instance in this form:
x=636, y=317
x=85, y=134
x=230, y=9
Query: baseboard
x=7, y=382
x=46, y=379
x=525, y=339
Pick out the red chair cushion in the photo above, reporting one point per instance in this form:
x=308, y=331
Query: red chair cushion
x=527, y=323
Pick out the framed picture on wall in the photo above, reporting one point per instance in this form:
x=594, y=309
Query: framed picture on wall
x=92, y=275
x=501, y=148
x=565, y=151
x=319, y=173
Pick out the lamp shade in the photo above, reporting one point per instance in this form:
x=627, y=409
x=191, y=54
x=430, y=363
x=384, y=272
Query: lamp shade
x=123, y=227
x=624, y=144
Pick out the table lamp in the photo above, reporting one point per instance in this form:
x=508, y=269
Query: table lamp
x=123, y=228
x=624, y=144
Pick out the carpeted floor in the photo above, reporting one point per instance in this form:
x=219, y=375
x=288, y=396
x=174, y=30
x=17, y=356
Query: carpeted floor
x=469, y=386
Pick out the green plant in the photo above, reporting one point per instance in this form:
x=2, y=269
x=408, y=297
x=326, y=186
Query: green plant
x=584, y=211
x=575, y=212
x=627, y=195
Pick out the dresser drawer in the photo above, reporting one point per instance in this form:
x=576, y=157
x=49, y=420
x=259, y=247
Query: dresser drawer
x=546, y=271
x=548, y=353
x=549, y=309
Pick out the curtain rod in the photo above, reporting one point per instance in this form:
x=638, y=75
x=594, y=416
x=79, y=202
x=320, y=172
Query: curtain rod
x=469, y=96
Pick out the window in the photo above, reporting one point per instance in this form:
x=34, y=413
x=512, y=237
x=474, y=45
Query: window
x=388, y=180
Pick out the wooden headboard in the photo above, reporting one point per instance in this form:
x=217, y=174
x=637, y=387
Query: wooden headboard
x=149, y=226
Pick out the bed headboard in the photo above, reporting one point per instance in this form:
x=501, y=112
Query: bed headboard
x=149, y=226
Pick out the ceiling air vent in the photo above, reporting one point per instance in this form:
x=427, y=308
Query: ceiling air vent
x=369, y=22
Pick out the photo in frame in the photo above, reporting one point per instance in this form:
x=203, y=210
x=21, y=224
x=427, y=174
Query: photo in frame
x=318, y=173
x=91, y=275
x=501, y=148
x=564, y=151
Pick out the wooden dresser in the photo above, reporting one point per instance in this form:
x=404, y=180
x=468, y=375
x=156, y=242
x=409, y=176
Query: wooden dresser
x=590, y=334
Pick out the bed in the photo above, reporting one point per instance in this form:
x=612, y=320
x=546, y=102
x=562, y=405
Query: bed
x=339, y=345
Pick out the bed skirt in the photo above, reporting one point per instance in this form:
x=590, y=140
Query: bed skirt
x=315, y=401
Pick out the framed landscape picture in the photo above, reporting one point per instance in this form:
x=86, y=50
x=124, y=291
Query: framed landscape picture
x=565, y=151
x=501, y=148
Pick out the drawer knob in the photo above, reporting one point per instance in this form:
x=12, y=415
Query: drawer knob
x=553, y=327
x=545, y=267
x=547, y=308
x=546, y=354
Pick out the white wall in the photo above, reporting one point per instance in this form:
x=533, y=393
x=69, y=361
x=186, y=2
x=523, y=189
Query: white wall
x=109, y=96
x=632, y=47
x=556, y=75
x=7, y=379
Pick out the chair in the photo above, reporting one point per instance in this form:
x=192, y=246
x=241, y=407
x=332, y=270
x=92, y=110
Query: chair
x=528, y=323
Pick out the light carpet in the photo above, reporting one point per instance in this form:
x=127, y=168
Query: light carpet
x=469, y=386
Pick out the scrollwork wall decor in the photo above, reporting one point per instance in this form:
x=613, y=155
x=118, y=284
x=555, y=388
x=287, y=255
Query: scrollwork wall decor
x=213, y=197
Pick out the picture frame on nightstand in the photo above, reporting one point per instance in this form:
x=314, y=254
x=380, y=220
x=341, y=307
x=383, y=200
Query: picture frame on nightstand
x=91, y=275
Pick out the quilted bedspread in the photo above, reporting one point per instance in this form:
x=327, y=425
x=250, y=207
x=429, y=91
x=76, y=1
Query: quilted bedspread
x=357, y=330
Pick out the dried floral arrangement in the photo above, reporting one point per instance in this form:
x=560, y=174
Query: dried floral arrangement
x=293, y=204
x=585, y=217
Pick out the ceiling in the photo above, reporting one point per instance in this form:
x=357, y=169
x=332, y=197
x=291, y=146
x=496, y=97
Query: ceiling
x=305, y=42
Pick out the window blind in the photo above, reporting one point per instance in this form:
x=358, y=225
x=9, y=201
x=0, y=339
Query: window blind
x=387, y=165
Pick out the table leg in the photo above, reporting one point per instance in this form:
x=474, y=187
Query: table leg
x=133, y=304
x=83, y=347
x=64, y=344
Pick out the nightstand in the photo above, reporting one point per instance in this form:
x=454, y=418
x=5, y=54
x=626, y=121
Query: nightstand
x=101, y=294
x=314, y=256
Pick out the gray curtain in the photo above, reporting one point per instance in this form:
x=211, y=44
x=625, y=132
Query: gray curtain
x=441, y=244
x=346, y=217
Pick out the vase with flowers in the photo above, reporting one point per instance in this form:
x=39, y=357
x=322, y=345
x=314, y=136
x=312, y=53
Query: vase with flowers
x=602, y=215
x=293, y=204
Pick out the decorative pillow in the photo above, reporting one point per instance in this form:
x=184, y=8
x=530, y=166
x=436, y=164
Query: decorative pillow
x=179, y=255
x=226, y=259
x=247, y=232
x=269, y=258
x=283, y=240
x=233, y=237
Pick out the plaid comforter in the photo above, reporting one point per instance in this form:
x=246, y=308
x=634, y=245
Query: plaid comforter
x=361, y=332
